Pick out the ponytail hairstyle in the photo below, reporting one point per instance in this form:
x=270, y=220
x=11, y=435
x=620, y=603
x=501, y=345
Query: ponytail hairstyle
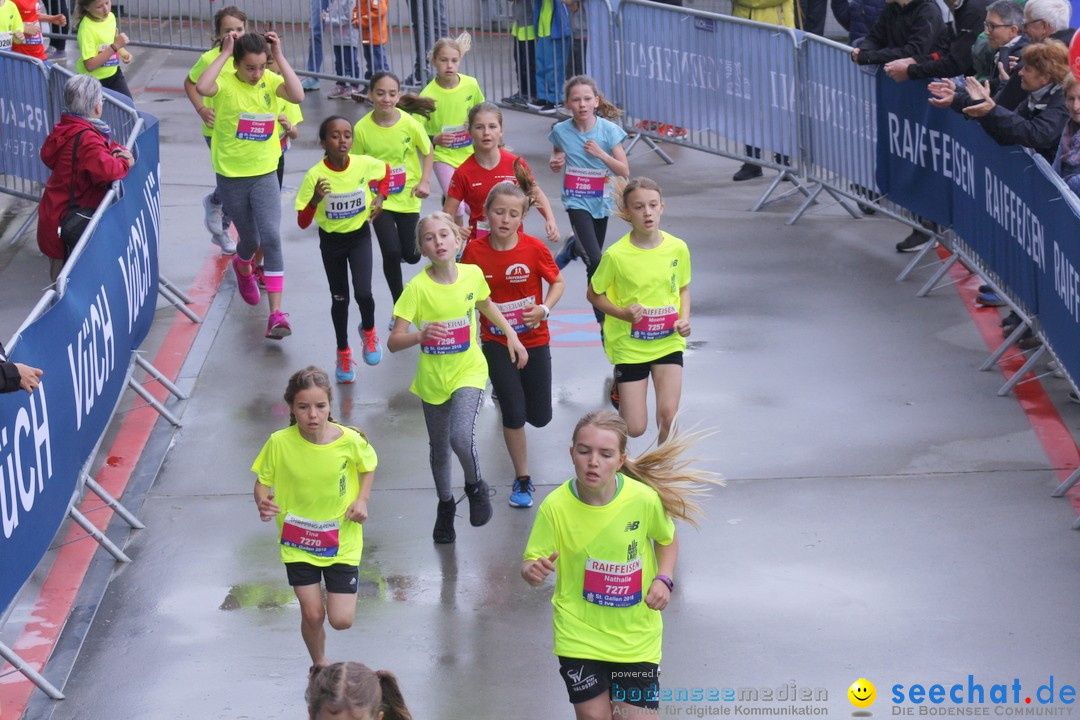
x=440, y=216
x=604, y=108
x=662, y=467
x=621, y=189
x=351, y=688
x=462, y=43
x=409, y=102
x=250, y=44
x=227, y=11
x=526, y=189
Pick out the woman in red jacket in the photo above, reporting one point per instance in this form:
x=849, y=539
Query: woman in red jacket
x=99, y=162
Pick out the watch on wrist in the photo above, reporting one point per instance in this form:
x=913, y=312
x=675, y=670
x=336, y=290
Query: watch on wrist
x=667, y=581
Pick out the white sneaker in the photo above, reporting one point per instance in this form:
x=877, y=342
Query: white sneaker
x=214, y=216
x=225, y=242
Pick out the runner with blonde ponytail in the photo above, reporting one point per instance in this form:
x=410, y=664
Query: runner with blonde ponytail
x=609, y=536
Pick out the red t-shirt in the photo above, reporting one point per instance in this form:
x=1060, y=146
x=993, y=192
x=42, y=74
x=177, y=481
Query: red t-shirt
x=32, y=45
x=514, y=277
x=471, y=184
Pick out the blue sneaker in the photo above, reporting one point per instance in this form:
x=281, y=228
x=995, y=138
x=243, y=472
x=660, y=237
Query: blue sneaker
x=521, y=495
x=372, y=351
x=345, y=369
x=990, y=299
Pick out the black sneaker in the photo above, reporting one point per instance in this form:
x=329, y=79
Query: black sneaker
x=444, y=523
x=479, y=503
x=516, y=100
x=535, y=103
x=914, y=242
x=547, y=109
x=748, y=171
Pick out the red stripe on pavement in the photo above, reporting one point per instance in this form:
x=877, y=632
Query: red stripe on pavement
x=62, y=583
x=1051, y=431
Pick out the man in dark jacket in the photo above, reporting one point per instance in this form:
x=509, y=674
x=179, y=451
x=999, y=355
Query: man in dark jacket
x=14, y=376
x=857, y=16
x=954, y=58
x=907, y=28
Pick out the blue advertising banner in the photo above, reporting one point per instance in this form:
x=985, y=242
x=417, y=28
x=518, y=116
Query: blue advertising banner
x=709, y=75
x=84, y=344
x=24, y=115
x=1004, y=202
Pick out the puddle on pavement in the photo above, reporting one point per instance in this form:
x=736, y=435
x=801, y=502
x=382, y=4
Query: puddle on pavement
x=276, y=595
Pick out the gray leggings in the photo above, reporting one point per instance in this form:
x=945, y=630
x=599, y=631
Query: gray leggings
x=254, y=204
x=452, y=426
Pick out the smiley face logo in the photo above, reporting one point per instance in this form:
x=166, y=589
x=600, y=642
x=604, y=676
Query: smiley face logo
x=862, y=693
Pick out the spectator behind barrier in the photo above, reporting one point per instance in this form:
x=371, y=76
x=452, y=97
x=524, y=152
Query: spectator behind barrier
x=1043, y=20
x=857, y=16
x=968, y=18
x=1067, y=161
x=1037, y=121
x=100, y=161
x=15, y=376
x=774, y=12
x=996, y=53
x=906, y=28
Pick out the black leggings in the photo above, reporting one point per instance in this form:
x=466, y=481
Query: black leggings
x=117, y=83
x=590, y=233
x=525, y=394
x=340, y=253
x=396, y=232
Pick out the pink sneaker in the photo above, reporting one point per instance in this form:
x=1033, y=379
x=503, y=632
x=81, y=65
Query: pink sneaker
x=278, y=327
x=246, y=284
x=260, y=276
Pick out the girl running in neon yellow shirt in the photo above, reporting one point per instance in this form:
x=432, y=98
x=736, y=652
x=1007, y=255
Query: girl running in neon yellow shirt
x=314, y=480
x=608, y=535
x=453, y=93
x=642, y=286
x=101, y=47
x=230, y=19
x=337, y=194
x=391, y=134
x=245, y=154
x=442, y=302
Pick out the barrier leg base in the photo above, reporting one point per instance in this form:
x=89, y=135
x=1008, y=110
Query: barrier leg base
x=29, y=673
x=156, y=374
x=638, y=137
x=115, y=505
x=175, y=301
x=932, y=284
x=1065, y=486
x=1024, y=370
x=914, y=262
x=153, y=402
x=102, y=540
x=24, y=227
x=1013, y=338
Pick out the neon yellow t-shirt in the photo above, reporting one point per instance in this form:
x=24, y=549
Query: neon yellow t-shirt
x=456, y=361
x=314, y=486
x=605, y=566
x=397, y=146
x=628, y=274
x=95, y=36
x=451, y=117
x=245, y=140
x=348, y=205
x=197, y=69
x=10, y=23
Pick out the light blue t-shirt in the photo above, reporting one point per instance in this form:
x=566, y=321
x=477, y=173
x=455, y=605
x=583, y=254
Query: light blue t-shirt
x=586, y=179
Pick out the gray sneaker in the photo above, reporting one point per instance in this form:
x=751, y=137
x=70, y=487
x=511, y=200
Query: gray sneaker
x=214, y=218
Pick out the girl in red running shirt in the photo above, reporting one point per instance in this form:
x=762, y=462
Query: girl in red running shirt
x=514, y=265
x=33, y=43
x=490, y=164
